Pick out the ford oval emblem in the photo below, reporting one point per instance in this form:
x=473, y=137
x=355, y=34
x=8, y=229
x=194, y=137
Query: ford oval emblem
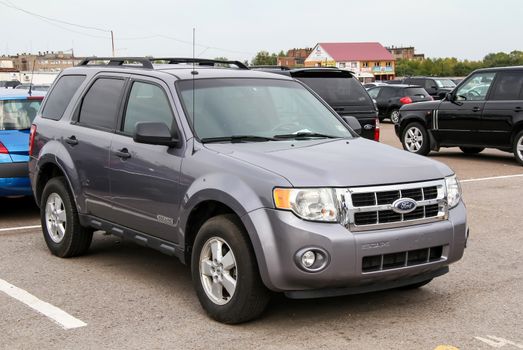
x=404, y=205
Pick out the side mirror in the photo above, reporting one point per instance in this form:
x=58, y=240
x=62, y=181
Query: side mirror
x=354, y=124
x=154, y=133
x=435, y=87
x=449, y=96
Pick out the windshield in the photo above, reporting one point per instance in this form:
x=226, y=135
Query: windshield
x=18, y=114
x=445, y=83
x=339, y=91
x=262, y=108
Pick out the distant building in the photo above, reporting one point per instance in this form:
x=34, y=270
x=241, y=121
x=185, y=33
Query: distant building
x=294, y=57
x=405, y=53
x=369, y=61
x=42, y=62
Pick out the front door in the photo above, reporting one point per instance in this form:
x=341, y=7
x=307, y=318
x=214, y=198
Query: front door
x=145, y=179
x=457, y=123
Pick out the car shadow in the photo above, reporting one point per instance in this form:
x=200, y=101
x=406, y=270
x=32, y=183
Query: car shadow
x=18, y=208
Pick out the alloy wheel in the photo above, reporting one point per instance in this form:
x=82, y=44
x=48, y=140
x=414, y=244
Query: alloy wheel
x=519, y=147
x=218, y=270
x=395, y=117
x=413, y=139
x=55, y=217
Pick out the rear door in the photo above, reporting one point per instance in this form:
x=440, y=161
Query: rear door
x=384, y=100
x=88, y=140
x=145, y=179
x=503, y=107
x=458, y=122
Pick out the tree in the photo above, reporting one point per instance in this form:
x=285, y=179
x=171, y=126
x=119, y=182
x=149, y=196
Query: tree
x=264, y=58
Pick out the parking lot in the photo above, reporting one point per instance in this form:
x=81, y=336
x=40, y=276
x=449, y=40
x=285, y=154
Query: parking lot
x=132, y=297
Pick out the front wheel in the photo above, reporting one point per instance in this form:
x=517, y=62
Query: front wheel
x=225, y=273
x=518, y=147
x=471, y=150
x=395, y=116
x=415, y=139
x=63, y=234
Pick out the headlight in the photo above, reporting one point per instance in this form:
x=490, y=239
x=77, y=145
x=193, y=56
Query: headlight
x=316, y=204
x=453, y=191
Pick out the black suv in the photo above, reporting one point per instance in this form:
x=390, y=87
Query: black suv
x=390, y=98
x=341, y=90
x=436, y=87
x=484, y=111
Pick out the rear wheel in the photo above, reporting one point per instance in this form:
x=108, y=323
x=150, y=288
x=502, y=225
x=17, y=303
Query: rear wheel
x=471, y=150
x=63, y=234
x=415, y=139
x=225, y=273
x=395, y=116
x=518, y=147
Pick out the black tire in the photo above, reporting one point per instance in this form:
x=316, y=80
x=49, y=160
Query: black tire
x=76, y=238
x=424, y=147
x=518, y=142
x=394, y=116
x=250, y=298
x=416, y=285
x=471, y=150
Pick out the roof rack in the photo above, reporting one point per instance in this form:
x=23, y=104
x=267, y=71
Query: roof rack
x=199, y=61
x=269, y=66
x=147, y=62
x=117, y=61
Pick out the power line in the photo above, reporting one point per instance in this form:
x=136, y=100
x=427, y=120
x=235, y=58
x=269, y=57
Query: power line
x=11, y=5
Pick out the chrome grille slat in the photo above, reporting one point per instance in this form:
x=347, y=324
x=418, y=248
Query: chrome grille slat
x=358, y=215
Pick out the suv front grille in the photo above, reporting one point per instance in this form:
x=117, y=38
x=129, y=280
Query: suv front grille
x=401, y=259
x=370, y=208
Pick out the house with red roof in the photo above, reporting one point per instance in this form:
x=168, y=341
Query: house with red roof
x=369, y=61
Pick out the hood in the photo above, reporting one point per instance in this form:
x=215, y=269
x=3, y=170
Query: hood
x=335, y=163
x=421, y=106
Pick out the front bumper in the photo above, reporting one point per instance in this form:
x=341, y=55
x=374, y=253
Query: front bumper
x=278, y=235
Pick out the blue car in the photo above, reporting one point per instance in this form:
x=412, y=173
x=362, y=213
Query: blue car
x=17, y=111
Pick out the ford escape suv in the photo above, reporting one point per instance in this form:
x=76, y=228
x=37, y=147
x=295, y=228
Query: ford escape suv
x=248, y=177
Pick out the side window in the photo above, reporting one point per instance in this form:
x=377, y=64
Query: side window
x=100, y=104
x=147, y=103
x=373, y=93
x=475, y=87
x=387, y=92
x=61, y=95
x=429, y=84
x=509, y=86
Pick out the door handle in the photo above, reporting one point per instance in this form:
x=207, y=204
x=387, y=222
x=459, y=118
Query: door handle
x=123, y=153
x=71, y=140
x=476, y=109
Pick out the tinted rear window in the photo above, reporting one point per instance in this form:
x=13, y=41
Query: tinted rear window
x=339, y=91
x=59, y=98
x=416, y=92
x=509, y=86
x=101, y=103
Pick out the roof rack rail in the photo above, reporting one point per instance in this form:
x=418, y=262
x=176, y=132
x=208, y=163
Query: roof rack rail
x=118, y=61
x=269, y=66
x=199, y=61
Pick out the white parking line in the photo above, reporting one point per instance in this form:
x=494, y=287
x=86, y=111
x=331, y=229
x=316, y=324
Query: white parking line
x=492, y=178
x=61, y=317
x=6, y=229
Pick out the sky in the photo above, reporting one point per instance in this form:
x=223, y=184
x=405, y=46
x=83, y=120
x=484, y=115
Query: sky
x=466, y=29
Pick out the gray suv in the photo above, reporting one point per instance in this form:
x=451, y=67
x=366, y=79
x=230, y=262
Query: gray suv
x=248, y=177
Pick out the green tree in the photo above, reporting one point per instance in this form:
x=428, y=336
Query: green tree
x=264, y=58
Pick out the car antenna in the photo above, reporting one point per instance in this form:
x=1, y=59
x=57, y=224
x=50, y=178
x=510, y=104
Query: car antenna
x=32, y=75
x=193, y=73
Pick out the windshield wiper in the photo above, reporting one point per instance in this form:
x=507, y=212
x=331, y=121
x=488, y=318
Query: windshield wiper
x=304, y=135
x=237, y=138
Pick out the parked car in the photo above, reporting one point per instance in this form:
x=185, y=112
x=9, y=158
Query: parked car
x=390, y=98
x=341, y=90
x=17, y=112
x=248, y=177
x=34, y=87
x=9, y=83
x=374, y=84
x=436, y=87
x=484, y=111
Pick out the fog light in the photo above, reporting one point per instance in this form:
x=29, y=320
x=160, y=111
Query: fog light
x=308, y=258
